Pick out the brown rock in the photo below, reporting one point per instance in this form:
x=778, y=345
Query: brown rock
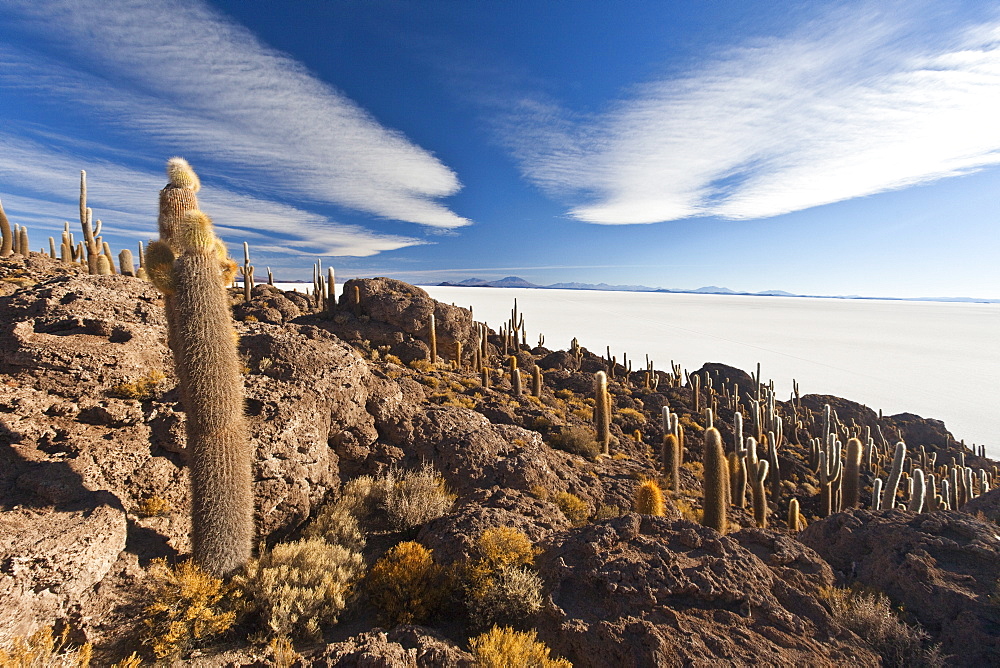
x=649, y=591
x=401, y=647
x=941, y=567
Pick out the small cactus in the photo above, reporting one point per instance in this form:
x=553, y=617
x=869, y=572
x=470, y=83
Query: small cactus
x=536, y=381
x=432, y=334
x=648, y=498
x=793, y=516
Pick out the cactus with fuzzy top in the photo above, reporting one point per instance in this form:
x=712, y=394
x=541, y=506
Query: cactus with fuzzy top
x=716, y=482
x=190, y=266
x=648, y=498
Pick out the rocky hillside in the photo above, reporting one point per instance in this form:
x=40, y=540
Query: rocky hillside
x=342, y=401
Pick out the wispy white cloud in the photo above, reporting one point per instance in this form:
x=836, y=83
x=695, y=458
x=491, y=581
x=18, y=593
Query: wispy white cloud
x=47, y=181
x=841, y=109
x=206, y=87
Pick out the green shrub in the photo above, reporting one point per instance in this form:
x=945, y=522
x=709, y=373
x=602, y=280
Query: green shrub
x=406, y=585
x=188, y=605
x=299, y=586
x=505, y=648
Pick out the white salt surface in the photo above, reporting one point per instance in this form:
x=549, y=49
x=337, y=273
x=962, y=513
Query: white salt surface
x=935, y=359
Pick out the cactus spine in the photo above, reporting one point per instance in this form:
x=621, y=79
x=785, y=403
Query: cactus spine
x=889, y=493
x=716, y=483
x=602, y=411
x=189, y=265
x=648, y=498
x=852, y=473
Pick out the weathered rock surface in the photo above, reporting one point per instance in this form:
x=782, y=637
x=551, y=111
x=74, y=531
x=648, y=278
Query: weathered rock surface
x=941, y=567
x=648, y=591
x=401, y=647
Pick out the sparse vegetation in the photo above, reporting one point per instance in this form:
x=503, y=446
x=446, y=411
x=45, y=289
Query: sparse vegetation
x=142, y=389
x=576, y=440
x=298, y=587
x=187, y=606
x=503, y=647
x=43, y=649
x=573, y=507
x=406, y=586
x=871, y=616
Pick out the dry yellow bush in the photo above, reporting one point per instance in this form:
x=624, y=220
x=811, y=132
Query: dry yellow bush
x=188, y=605
x=406, y=585
x=573, y=507
x=299, y=586
x=499, y=547
x=504, y=647
x=423, y=366
x=282, y=652
x=42, y=649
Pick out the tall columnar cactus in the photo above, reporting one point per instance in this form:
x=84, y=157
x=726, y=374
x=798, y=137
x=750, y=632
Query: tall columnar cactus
x=7, y=242
x=877, y=494
x=648, y=498
x=852, y=473
x=23, y=244
x=716, y=482
x=918, y=495
x=536, y=381
x=738, y=480
x=759, y=493
x=830, y=472
x=671, y=458
x=433, y=340
x=125, y=263
x=889, y=493
x=602, y=411
x=246, y=271
x=515, y=382
x=190, y=266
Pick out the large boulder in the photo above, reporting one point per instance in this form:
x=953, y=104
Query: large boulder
x=650, y=591
x=941, y=567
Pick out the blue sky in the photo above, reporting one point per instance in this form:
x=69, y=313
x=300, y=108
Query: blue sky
x=821, y=148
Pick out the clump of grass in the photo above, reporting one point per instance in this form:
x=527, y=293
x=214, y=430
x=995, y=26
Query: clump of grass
x=187, y=606
x=503, y=647
x=43, y=649
x=423, y=366
x=153, y=506
x=142, y=389
x=872, y=618
x=412, y=498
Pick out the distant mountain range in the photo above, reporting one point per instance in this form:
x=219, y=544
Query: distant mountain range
x=518, y=282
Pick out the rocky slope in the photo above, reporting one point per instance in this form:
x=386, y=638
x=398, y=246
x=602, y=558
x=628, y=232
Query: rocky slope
x=93, y=485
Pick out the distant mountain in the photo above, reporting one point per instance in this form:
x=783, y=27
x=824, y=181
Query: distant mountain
x=508, y=282
x=518, y=282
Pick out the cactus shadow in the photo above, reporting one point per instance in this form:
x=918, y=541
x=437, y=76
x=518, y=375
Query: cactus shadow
x=53, y=484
